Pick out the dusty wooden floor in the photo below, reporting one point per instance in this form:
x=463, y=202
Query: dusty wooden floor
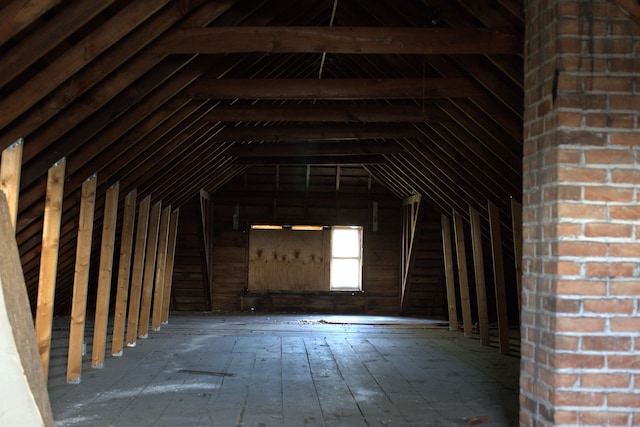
x=291, y=371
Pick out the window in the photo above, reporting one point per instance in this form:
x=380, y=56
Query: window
x=346, y=259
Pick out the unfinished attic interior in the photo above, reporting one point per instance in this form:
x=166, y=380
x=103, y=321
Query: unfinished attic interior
x=320, y=157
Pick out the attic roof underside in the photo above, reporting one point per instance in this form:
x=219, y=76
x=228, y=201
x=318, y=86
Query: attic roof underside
x=170, y=97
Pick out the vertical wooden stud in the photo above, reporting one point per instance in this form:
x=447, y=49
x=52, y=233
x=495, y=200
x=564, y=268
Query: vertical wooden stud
x=168, y=271
x=498, y=272
x=104, y=275
x=49, y=261
x=481, y=287
x=138, y=271
x=149, y=270
x=448, y=270
x=463, y=278
x=124, y=273
x=81, y=280
x=10, y=170
x=161, y=260
x=516, y=224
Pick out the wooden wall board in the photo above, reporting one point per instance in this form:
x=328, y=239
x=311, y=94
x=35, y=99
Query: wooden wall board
x=149, y=270
x=49, y=261
x=19, y=314
x=450, y=281
x=81, y=280
x=498, y=272
x=168, y=274
x=161, y=265
x=478, y=267
x=463, y=277
x=104, y=275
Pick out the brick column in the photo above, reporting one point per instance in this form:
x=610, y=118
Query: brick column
x=581, y=216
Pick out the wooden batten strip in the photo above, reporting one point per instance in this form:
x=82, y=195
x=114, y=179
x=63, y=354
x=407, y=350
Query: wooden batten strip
x=516, y=224
x=149, y=270
x=124, y=273
x=10, y=170
x=104, y=276
x=81, y=280
x=158, y=289
x=49, y=261
x=138, y=271
x=498, y=271
x=168, y=271
x=478, y=266
x=463, y=275
x=448, y=270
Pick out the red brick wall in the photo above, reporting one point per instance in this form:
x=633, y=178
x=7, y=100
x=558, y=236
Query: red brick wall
x=581, y=216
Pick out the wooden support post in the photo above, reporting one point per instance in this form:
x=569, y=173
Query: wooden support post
x=149, y=270
x=168, y=271
x=516, y=224
x=81, y=280
x=104, y=276
x=498, y=272
x=10, y=170
x=481, y=287
x=49, y=261
x=28, y=379
x=161, y=265
x=124, y=273
x=448, y=270
x=463, y=278
x=138, y=271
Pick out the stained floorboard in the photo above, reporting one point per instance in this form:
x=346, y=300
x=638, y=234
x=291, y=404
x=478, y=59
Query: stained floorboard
x=291, y=370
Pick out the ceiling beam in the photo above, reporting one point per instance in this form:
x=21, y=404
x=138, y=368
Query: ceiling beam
x=358, y=40
x=313, y=160
x=304, y=148
x=416, y=88
x=327, y=113
x=315, y=132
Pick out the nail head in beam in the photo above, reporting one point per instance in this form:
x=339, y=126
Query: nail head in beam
x=49, y=261
x=81, y=279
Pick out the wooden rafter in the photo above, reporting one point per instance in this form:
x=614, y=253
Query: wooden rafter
x=316, y=132
x=304, y=148
x=375, y=40
x=309, y=160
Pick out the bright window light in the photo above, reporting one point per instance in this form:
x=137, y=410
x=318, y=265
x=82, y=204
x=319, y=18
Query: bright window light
x=266, y=227
x=346, y=258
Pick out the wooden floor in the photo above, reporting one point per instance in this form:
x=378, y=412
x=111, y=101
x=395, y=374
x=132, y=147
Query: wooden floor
x=288, y=370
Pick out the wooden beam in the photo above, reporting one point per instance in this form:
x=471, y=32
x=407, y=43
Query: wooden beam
x=306, y=148
x=364, y=113
x=73, y=59
x=158, y=290
x=168, y=272
x=448, y=270
x=109, y=220
x=49, y=261
x=316, y=132
x=359, y=40
x=138, y=271
x=631, y=7
x=516, y=225
x=19, y=14
x=319, y=160
x=149, y=270
x=10, y=170
x=481, y=287
x=463, y=276
x=498, y=272
x=416, y=88
x=18, y=314
x=81, y=280
x=124, y=273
